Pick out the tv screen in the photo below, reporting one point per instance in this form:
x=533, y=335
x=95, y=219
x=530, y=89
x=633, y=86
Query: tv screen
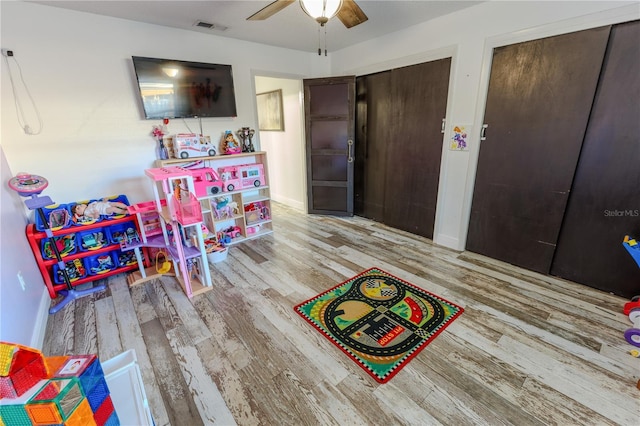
x=181, y=89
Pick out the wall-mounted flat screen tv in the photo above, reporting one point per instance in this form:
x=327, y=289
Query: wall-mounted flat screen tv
x=181, y=89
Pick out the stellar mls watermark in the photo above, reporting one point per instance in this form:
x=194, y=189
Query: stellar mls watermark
x=622, y=213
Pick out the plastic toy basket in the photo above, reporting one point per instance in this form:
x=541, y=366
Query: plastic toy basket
x=61, y=217
x=93, y=239
x=100, y=263
x=121, y=231
x=76, y=270
x=66, y=245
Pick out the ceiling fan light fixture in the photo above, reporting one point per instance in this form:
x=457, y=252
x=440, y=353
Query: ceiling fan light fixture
x=321, y=10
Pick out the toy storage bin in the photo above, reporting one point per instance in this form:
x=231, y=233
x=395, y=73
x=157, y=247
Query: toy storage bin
x=100, y=263
x=76, y=269
x=66, y=245
x=124, y=258
x=120, y=198
x=187, y=210
x=84, y=221
x=48, y=210
x=217, y=256
x=122, y=231
x=93, y=239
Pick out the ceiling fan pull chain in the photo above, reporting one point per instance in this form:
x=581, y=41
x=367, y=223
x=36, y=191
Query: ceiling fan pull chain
x=319, y=49
x=325, y=40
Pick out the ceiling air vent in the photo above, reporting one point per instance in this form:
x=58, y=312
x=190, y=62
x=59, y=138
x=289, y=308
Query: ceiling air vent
x=210, y=26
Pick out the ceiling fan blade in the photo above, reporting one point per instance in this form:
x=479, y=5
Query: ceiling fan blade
x=350, y=14
x=269, y=10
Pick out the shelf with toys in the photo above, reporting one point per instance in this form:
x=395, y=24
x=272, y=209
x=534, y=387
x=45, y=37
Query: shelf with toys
x=90, y=251
x=233, y=192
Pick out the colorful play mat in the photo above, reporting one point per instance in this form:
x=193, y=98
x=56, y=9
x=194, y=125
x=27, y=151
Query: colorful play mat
x=378, y=320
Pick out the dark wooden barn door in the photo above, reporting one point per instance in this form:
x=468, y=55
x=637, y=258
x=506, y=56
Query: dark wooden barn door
x=374, y=122
x=399, y=121
x=538, y=105
x=604, y=205
x=414, y=150
x=329, y=125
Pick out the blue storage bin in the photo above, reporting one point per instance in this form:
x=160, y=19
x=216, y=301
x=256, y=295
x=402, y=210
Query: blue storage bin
x=66, y=245
x=100, y=263
x=58, y=217
x=119, y=198
x=76, y=269
x=83, y=220
x=116, y=233
x=92, y=239
x=125, y=258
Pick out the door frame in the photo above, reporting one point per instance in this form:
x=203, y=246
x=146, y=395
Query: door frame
x=302, y=136
x=610, y=17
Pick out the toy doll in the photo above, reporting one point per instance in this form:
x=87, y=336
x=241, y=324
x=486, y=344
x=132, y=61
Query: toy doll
x=230, y=145
x=94, y=209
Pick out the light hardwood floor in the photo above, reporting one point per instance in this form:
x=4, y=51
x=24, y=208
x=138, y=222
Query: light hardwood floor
x=528, y=350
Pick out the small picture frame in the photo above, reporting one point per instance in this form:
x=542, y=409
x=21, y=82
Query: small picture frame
x=270, y=111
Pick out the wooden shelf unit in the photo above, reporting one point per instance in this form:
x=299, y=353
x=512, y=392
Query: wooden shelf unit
x=250, y=226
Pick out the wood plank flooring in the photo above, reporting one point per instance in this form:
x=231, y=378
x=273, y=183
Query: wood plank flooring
x=528, y=350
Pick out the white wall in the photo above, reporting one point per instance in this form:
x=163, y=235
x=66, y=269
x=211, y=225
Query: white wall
x=469, y=36
x=77, y=67
x=22, y=311
x=286, y=150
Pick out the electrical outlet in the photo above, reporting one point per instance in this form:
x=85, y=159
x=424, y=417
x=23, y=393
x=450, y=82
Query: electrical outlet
x=21, y=280
x=7, y=52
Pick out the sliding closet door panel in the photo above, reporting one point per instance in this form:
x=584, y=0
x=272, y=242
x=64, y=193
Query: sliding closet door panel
x=414, y=148
x=373, y=129
x=538, y=105
x=604, y=205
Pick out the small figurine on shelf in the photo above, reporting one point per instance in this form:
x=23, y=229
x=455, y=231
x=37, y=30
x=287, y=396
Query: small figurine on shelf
x=229, y=144
x=246, y=134
x=84, y=212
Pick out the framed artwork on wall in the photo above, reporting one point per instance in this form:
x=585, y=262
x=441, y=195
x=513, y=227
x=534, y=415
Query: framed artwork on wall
x=270, y=111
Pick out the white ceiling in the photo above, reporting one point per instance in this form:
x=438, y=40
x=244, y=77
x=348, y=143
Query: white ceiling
x=290, y=28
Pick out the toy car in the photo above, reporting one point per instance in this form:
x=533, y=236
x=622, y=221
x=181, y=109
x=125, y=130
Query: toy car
x=187, y=145
x=206, y=181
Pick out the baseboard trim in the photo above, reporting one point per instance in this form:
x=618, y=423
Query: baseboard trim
x=40, y=328
x=447, y=241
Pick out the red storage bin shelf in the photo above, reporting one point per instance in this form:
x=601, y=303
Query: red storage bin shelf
x=34, y=237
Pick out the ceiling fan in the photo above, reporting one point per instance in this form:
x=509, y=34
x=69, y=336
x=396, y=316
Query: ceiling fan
x=349, y=12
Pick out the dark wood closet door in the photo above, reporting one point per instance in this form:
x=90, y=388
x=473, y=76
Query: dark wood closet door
x=538, y=105
x=604, y=205
x=414, y=145
x=329, y=125
x=373, y=129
